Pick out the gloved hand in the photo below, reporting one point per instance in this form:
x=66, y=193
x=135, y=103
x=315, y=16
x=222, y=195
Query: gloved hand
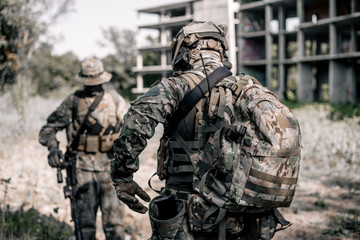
x=126, y=191
x=56, y=158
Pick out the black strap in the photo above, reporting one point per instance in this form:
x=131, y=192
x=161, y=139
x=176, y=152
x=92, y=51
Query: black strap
x=194, y=96
x=92, y=107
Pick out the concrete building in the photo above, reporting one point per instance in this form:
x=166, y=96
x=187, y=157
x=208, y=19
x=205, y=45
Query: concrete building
x=171, y=18
x=305, y=50
x=308, y=50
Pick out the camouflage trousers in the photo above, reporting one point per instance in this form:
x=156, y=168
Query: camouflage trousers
x=177, y=219
x=95, y=190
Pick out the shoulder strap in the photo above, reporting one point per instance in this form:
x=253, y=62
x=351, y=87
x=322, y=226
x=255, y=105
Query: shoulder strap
x=77, y=95
x=194, y=96
x=115, y=97
x=92, y=107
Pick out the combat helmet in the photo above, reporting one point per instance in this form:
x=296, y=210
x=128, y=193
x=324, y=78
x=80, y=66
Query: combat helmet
x=195, y=36
x=92, y=73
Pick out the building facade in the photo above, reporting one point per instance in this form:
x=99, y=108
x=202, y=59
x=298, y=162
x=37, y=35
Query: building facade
x=171, y=18
x=304, y=50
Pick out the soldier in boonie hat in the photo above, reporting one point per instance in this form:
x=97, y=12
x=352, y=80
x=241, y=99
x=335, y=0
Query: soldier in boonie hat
x=92, y=73
x=92, y=118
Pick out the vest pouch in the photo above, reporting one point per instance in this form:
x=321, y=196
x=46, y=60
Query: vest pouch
x=107, y=141
x=82, y=142
x=92, y=144
x=167, y=217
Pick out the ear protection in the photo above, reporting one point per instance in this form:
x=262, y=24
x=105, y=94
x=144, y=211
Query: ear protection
x=182, y=59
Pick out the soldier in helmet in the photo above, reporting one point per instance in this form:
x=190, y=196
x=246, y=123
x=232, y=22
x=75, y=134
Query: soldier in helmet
x=204, y=195
x=94, y=134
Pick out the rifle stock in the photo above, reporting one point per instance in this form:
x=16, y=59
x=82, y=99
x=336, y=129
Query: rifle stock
x=70, y=189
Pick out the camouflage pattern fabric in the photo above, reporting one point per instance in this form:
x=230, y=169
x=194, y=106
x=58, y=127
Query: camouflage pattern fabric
x=62, y=119
x=152, y=108
x=95, y=188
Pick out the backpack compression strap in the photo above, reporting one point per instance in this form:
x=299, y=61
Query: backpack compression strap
x=194, y=96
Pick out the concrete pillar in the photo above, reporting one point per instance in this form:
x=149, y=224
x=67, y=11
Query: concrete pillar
x=300, y=10
x=332, y=8
x=305, y=92
x=163, y=43
x=231, y=36
x=268, y=44
x=342, y=82
x=139, y=61
x=353, y=6
x=139, y=84
x=332, y=39
x=353, y=39
x=336, y=82
x=188, y=10
x=282, y=55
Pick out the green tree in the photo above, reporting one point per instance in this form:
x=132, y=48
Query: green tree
x=151, y=58
x=121, y=62
x=22, y=23
x=51, y=73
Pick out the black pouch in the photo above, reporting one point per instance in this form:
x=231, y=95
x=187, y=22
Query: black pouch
x=96, y=128
x=166, y=217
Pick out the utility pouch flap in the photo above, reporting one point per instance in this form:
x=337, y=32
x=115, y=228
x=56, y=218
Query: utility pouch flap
x=92, y=144
x=107, y=141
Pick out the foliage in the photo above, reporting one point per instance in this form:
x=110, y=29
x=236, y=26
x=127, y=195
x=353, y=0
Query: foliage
x=122, y=78
x=344, y=226
x=123, y=41
x=341, y=111
x=30, y=224
x=22, y=23
x=336, y=111
x=292, y=104
x=150, y=58
x=51, y=72
x=121, y=62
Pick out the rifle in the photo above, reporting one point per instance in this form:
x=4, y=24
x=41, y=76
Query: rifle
x=70, y=189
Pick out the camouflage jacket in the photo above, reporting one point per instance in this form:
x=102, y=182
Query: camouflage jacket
x=155, y=106
x=62, y=118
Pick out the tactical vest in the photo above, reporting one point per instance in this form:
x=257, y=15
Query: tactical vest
x=231, y=158
x=101, y=130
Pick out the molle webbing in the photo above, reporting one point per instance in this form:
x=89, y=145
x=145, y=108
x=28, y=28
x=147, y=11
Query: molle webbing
x=267, y=190
x=92, y=107
x=194, y=96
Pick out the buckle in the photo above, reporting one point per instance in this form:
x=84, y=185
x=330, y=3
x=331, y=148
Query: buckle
x=233, y=87
x=235, y=136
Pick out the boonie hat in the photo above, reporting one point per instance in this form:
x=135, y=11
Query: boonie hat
x=92, y=73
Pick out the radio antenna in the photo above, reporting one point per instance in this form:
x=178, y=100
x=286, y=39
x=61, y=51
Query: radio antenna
x=207, y=79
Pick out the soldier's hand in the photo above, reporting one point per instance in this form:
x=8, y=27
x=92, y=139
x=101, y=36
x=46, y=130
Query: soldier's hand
x=56, y=158
x=126, y=191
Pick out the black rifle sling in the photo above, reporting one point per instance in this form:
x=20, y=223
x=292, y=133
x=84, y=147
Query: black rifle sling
x=92, y=107
x=194, y=96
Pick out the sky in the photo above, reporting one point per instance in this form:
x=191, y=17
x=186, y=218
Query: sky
x=80, y=30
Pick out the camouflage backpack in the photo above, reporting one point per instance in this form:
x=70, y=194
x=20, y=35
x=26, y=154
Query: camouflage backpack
x=242, y=161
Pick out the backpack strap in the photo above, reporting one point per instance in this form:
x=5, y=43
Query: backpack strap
x=115, y=98
x=194, y=96
x=94, y=104
x=77, y=95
